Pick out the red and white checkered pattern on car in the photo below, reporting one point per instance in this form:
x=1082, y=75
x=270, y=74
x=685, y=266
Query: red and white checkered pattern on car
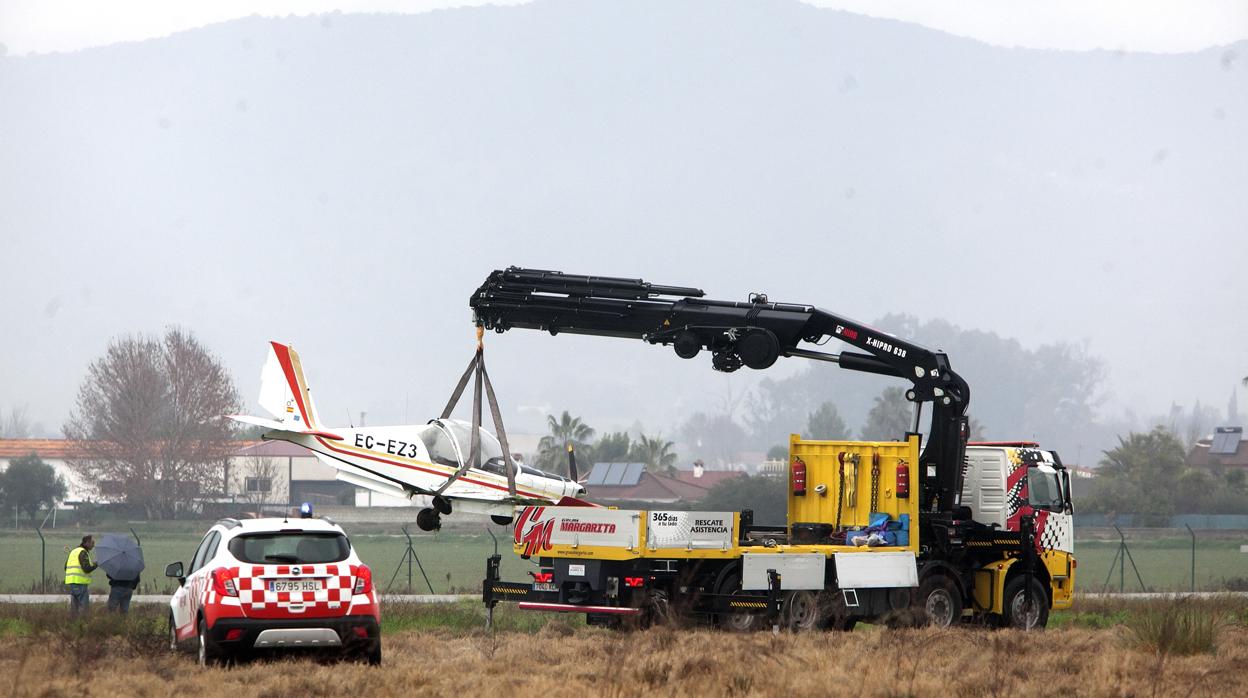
x=336, y=580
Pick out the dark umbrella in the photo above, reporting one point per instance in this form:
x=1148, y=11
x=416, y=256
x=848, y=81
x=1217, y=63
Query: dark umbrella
x=120, y=556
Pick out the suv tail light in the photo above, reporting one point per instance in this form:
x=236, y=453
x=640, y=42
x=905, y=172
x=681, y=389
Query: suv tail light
x=363, y=579
x=223, y=581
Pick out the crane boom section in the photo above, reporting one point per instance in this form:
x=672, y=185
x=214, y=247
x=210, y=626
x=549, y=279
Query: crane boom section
x=752, y=334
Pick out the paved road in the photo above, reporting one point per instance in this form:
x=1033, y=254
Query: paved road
x=159, y=598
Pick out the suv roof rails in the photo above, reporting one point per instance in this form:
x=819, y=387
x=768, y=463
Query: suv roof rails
x=229, y=523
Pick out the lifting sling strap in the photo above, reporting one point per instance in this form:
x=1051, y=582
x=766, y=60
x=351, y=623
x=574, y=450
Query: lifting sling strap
x=481, y=377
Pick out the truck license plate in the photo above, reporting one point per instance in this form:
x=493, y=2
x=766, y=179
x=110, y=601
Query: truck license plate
x=544, y=586
x=294, y=585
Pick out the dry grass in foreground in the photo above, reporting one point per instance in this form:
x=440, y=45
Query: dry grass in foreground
x=558, y=661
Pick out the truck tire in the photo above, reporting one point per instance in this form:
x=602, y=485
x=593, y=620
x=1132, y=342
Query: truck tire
x=737, y=622
x=803, y=611
x=655, y=610
x=1020, y=614
x=939, y=602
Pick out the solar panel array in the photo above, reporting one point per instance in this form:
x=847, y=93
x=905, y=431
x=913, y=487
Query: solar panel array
x=1226, y=441
x=616, y=474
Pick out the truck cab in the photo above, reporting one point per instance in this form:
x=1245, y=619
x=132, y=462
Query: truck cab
x=1006, y=481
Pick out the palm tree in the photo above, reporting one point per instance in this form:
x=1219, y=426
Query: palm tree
x=656, y=453
x=563, y=431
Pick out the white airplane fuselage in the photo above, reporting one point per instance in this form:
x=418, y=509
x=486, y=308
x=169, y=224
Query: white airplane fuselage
x=403, y=461
x=395, y=460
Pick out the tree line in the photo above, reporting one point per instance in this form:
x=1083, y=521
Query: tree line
x=1147, y=474
x=654, y=451
x=147, y=429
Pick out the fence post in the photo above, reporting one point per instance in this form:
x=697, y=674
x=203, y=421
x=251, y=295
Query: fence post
x=43, y=561
x=43, y=552
x=1193, y=535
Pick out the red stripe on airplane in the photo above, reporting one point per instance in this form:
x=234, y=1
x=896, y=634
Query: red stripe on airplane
x=431, y=472
x=283, y=358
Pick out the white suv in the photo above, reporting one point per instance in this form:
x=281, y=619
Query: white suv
x=275, y=584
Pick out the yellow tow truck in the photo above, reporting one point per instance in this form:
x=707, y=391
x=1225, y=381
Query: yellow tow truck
x=878, y=531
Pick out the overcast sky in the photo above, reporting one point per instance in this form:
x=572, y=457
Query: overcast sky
x=1089, y=198
x=1132, y=25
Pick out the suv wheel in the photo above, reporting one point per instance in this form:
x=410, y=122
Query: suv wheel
x=374, y=655
x=173, y=635
x=209, y=653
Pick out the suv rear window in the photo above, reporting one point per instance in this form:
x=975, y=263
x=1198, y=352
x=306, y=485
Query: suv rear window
x=288, y=548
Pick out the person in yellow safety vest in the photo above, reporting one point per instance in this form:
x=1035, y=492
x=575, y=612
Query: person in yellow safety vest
x=78, y=569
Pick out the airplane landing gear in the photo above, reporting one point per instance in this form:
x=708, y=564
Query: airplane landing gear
x=442, y=504
x=501, y=520
x=429, y=520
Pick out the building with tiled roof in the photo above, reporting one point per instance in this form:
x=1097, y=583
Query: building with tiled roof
x=275, y=473
x=1225, y=448
x=630, y=482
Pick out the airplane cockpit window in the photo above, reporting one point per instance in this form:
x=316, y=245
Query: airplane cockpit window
x=441, y=448
x=462, y=433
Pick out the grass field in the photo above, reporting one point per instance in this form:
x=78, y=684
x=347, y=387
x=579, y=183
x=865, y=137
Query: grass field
x=442, y=650
x=455, y=560
x=1165, y=564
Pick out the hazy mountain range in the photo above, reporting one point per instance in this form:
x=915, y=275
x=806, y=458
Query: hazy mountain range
x=344, y=182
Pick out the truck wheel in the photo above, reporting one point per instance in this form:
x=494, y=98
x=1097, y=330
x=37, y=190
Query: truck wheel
x=940, y=603
x=1025, y=611
x=655, y=610
x=836, y=615
x=802, y=612
x=737, y=622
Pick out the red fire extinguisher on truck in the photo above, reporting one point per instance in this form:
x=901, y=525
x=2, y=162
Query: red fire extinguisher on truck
x=798, y=473
x=903, y=479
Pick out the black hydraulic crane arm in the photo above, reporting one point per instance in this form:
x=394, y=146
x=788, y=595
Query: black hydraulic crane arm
x=752, y=334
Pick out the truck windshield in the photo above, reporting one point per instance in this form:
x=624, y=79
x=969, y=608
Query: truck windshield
x=1044, y=491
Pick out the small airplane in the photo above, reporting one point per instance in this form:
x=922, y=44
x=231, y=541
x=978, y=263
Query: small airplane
x=403, y=461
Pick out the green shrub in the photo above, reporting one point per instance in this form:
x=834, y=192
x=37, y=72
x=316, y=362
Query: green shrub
x=1176, y=627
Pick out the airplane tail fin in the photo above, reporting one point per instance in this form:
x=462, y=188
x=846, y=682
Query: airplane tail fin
x=284, y=391
x=284, y=394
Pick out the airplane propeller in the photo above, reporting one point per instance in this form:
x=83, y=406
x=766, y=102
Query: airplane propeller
x=572, y=463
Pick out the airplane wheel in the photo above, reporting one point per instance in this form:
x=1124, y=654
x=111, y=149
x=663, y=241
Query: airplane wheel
x=501, y=520
x=429, y=520
x=442, y=504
